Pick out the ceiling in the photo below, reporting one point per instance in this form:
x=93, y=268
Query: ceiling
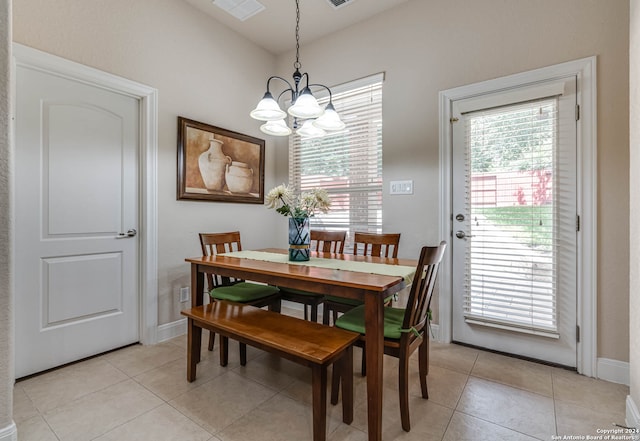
x=274, y=28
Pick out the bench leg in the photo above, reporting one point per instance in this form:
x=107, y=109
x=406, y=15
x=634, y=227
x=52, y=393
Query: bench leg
x=346, y=364
x=335, y=383
x=319, y=381
x=194, y=340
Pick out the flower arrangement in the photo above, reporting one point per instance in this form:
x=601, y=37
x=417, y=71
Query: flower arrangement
x=304, y=205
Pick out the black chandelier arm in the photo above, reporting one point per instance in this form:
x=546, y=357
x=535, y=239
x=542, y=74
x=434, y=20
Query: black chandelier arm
x=276, y=77
x=285, y=91
x=294, y=89
x=322, y=85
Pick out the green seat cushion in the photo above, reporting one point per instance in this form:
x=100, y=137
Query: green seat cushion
x=354, y=321
x=243, y=292
x=298, y=292
x=352, y=302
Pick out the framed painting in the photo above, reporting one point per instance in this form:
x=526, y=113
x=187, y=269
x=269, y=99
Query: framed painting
x=215, y=164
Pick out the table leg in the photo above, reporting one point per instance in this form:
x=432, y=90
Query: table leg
x=197, y=286
x=374, y=327
x=197, y=290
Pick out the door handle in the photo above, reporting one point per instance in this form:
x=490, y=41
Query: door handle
x=461, y=234
x=131, y=233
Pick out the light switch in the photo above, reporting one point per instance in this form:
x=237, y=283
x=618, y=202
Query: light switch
x=401, y=187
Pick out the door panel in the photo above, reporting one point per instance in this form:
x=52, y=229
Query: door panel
x=70, y=291
x=514, y=211
x=76, y=278
x=83, y=142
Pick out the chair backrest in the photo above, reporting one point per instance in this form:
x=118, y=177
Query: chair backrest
x=424, y=282
x=328, y=241
x=216, y=243
x=374, y=244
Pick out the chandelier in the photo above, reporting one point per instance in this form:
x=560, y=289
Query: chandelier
x=304, y=106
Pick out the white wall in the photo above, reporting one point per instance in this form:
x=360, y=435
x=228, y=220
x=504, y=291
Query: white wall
x=428, y=46
x=206, y=72
x=634, y=186
x=6, y=296
x=202, y=70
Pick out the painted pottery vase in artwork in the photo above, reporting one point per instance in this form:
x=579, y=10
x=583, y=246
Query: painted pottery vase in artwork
x=213, y=164
x=239, y=177
x=299, y=239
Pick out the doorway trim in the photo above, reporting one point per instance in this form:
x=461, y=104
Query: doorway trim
x=586, y=315
x=147, y=167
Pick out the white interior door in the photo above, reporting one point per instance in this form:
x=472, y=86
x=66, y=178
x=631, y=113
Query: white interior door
x=514, y=221
x=76, y=198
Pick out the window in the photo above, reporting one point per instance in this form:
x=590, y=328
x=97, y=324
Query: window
x=348, y=164
x=514, y=205
x=516, y=152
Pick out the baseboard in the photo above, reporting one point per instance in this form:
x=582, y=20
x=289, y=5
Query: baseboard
x=633, y=417
x=435, y=332
x=9, y=433
x=171, y=330
x=613, y=370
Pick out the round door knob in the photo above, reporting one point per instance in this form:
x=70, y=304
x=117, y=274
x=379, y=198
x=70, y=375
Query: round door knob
x=460, y=234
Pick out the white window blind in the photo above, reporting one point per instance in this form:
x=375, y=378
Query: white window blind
x=348, y=164
x=514, y=172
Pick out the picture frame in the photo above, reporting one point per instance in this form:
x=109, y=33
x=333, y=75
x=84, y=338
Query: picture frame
x=219, y=165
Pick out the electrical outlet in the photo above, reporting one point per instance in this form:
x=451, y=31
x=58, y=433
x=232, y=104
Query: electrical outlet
x=185, y=294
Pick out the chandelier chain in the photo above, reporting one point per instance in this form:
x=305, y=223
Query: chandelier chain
x=303, y=105
x=297, y=64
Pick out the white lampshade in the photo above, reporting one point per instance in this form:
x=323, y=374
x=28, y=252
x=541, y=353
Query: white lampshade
x=306, y=106
x=275, y=128
x=267, y=109
x=329, y=120
x=308, y=130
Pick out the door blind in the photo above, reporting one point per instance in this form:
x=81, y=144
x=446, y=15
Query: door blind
x=348, y=164
x=513, y=197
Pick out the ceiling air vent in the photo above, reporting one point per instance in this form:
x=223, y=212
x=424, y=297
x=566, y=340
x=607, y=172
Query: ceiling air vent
x=339, y=3
x=240, y=9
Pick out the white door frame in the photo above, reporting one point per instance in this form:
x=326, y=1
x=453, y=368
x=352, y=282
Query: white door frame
x=586, y=314
x=148, y=205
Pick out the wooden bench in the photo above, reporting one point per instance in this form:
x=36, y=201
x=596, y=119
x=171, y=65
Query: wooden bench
x=307, y=343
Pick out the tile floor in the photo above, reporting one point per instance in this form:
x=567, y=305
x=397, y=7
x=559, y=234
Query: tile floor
x=140, y=393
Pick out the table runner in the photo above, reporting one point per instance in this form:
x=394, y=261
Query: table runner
x=406, y=272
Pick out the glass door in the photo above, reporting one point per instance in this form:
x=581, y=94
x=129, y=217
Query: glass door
x=514, y=221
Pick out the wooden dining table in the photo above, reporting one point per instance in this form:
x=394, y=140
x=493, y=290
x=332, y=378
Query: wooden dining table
x=371, y=288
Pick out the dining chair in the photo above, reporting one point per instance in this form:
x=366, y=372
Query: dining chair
x=374, y=244
x=405, y=330
x=322, y=241
x=235, y=290
x=366, y=244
